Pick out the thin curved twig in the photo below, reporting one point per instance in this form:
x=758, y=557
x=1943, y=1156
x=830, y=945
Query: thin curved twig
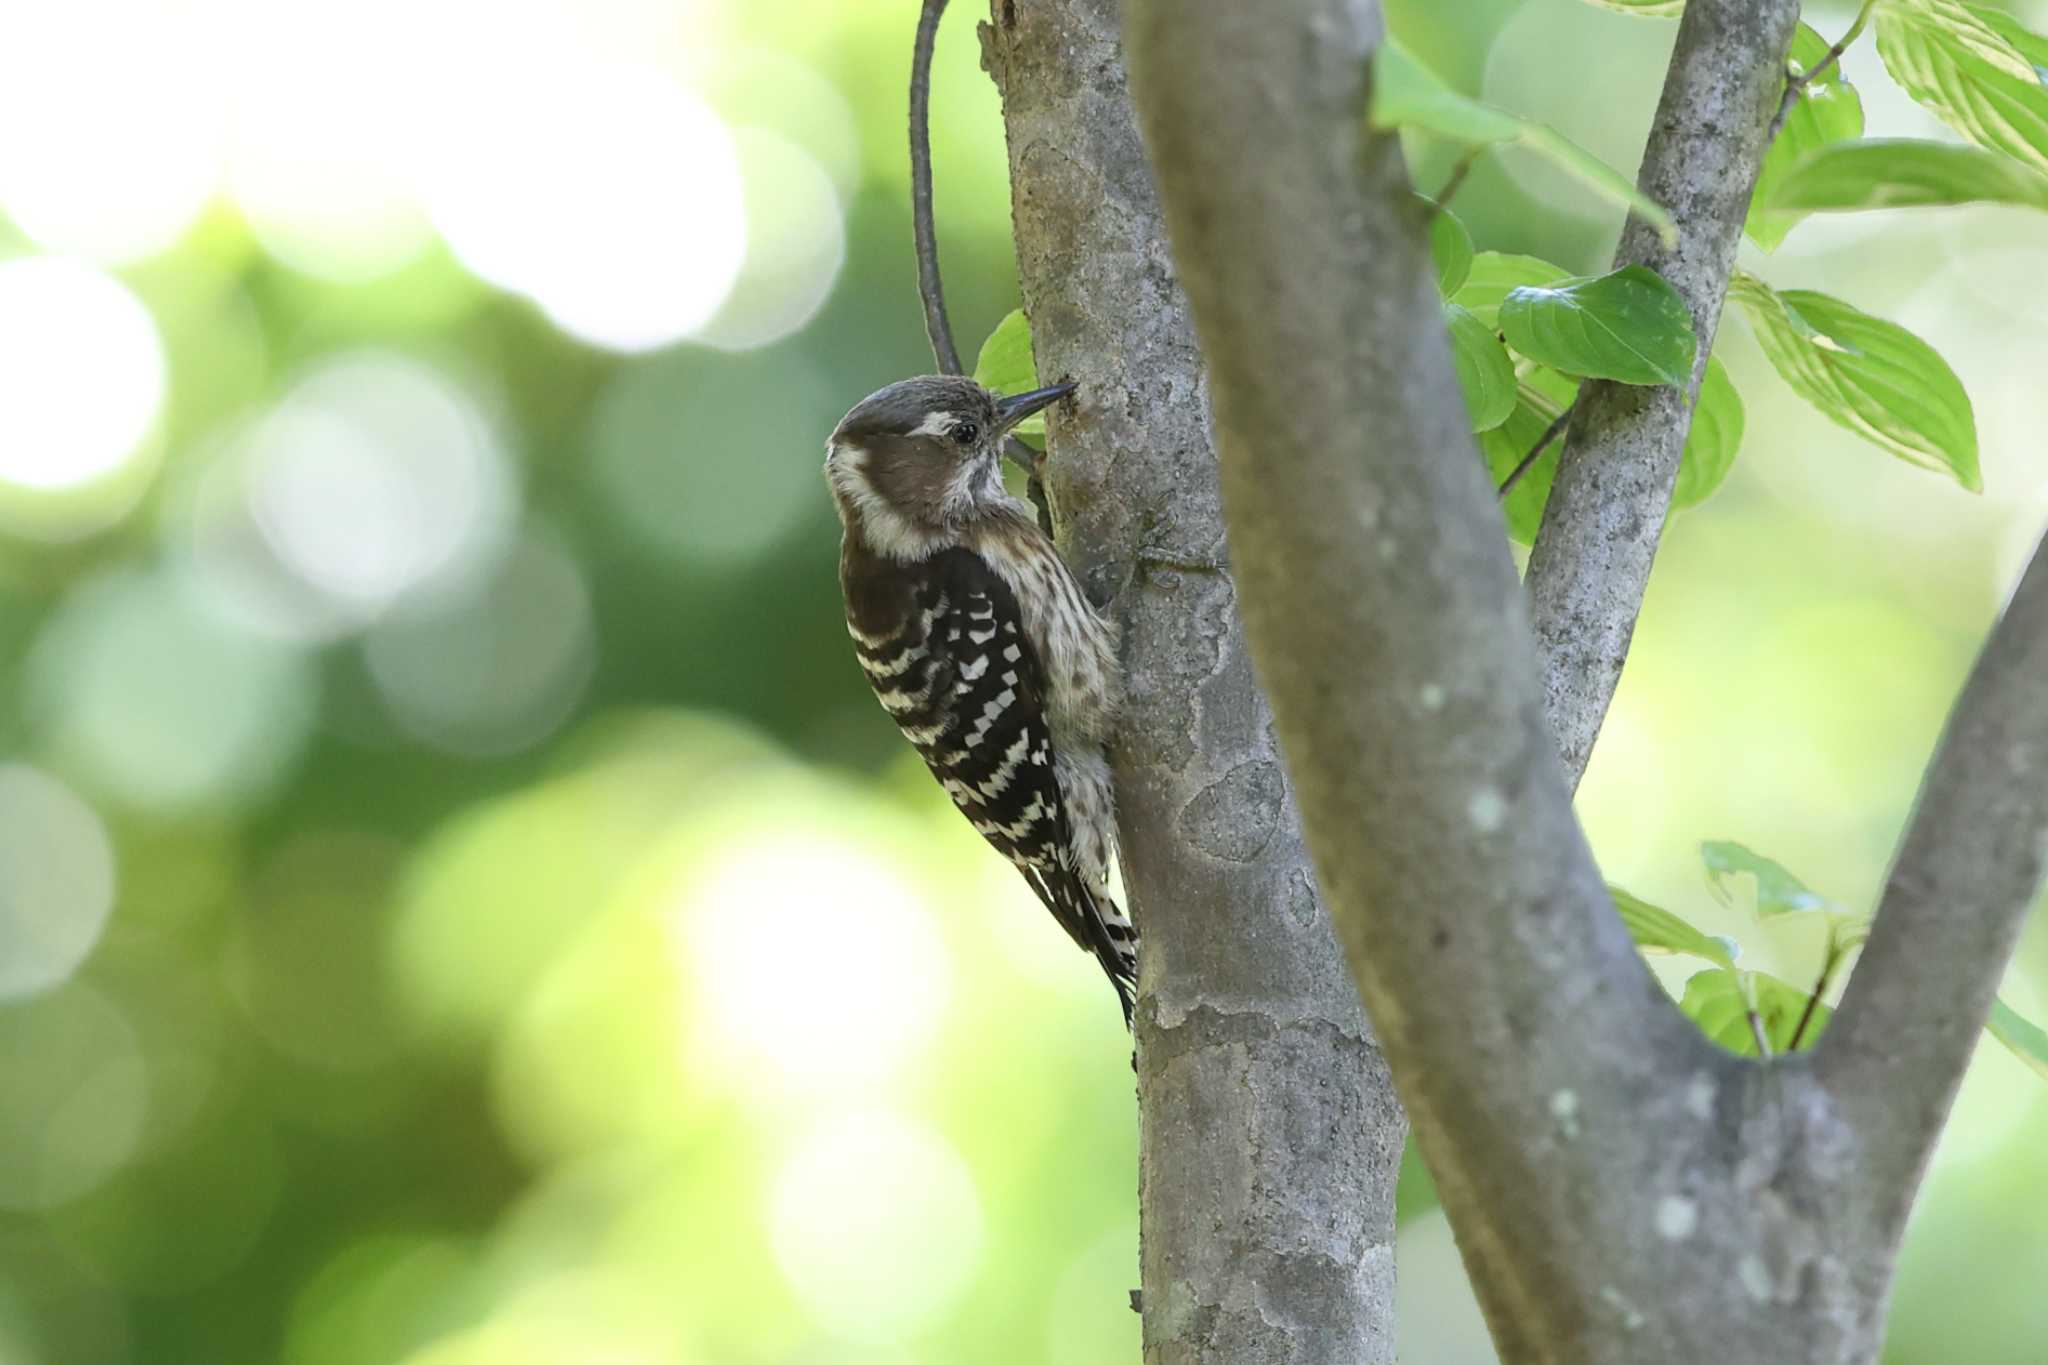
x=1550, y=433
x=936, y=327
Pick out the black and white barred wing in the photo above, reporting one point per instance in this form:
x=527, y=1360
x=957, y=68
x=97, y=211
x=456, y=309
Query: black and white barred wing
x=963, y=683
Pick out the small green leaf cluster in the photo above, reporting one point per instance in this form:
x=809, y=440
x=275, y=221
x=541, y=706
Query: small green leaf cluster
x=1979, y=69
x=1755, y=1013
x=1525, y=332
x=1984, y=74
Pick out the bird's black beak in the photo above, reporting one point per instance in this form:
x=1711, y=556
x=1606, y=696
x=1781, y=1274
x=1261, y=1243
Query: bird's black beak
x=1018, y=406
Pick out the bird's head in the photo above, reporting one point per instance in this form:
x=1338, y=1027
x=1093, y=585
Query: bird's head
x=924, y=455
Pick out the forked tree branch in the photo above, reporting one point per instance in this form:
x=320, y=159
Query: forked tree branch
x=1621, y=1190
x=1592, y=556
x=1966, y=873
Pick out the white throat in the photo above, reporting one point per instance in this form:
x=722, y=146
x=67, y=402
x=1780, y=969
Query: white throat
x=977, y=486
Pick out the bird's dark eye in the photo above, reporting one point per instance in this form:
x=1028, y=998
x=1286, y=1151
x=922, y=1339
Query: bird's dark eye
x=965, y=433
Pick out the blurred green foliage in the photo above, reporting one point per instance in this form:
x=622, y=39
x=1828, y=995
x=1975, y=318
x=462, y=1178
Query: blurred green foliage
x=465, y=907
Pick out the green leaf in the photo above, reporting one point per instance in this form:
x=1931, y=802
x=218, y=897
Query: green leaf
x=1720, y=1001
x=1657, y=930
x=1647, y=9
x=1958, y=63
x=1828, y=111
x=1006, y=365
x=1890, y=173
x=1711, y=444
x=1871, y=376
x=1629, y=325
x=1778, y=892
x=2024, y=40
x=1406, y=94
x=1484, y=371
x=2027, y=1041
x=1494, y=273
x=1450, y=247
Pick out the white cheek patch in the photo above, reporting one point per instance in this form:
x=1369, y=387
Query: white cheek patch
x=889, y=532
x=846, y=468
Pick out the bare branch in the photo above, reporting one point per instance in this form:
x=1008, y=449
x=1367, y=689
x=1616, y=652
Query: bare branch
x=1269, y=1137
x=936, y=325
x=1968, y=869
x=1591, y=559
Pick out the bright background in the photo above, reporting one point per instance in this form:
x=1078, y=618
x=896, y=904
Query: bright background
x=458, y=904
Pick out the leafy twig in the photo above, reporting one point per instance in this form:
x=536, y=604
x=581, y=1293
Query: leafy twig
x=1794, y=85
x=1550, y=433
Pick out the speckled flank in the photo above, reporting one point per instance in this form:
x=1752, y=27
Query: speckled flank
x=1076, y=643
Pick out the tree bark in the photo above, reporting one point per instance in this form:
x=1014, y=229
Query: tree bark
x=1591, y=560
x=1621, y=1189
x=1269, y=1136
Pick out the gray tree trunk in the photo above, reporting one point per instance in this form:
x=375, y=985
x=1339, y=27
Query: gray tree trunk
x=1269, y=1135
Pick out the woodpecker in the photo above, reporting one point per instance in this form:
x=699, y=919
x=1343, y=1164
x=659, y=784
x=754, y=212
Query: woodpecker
x=980, y=644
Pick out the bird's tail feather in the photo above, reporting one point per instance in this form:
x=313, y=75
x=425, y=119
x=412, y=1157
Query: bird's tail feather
x=1098, y=924
x=1119, y=953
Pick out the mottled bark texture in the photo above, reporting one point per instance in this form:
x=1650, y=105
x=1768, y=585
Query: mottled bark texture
x=1591, y=559
x=1622, y=1191
x=1269, y=1134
